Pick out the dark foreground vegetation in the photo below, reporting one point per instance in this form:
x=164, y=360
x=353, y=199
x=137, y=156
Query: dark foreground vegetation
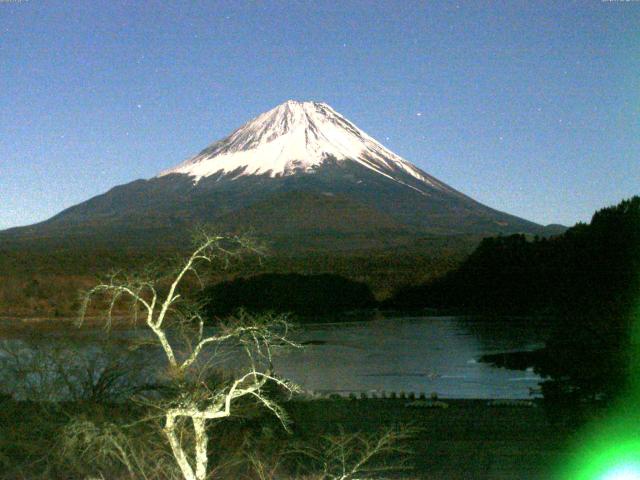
x=178, y=413
x=468, y=439
x=588, y=279
x=235, y=426
x=161, y=409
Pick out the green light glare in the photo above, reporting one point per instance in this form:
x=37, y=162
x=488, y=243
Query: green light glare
x=629, y=471
x=620, y=460
x=609, y=448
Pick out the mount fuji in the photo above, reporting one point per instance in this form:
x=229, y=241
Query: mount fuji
x=300, y=175
x=299, y=137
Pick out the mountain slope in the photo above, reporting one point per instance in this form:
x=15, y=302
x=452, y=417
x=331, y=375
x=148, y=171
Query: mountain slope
x=300, y=171
x=298, y=137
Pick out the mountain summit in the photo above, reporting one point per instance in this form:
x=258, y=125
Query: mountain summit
x=298, y=137
x=301, y=175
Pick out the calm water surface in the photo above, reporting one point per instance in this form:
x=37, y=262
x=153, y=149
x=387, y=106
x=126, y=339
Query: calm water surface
x=414, y=354
x=394, y=354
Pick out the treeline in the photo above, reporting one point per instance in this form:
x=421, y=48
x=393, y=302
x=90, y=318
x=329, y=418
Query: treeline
x=306, y=295
x=588, y=279
x=43, y=280
x=590, y=267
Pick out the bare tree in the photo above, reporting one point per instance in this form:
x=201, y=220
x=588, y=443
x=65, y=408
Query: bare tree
x=348, y=456
x=164, y=314
x=37, y=369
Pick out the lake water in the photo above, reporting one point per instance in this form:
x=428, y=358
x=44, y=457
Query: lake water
x=414, y=354
x=393, y=354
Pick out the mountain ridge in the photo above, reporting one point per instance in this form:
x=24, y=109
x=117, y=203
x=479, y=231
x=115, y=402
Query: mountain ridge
x=296, y=137
x=301, y=151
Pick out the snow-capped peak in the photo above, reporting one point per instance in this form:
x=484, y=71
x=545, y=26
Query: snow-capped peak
x=297, y=137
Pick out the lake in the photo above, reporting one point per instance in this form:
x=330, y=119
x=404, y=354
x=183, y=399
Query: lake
x=388, y=353
x=414, y=354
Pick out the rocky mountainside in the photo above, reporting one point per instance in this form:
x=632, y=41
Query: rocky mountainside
x=300, y=174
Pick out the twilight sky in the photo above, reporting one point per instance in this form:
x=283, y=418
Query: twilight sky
x=532, y=108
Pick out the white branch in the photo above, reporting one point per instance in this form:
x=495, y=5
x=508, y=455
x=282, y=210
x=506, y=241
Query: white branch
x=176, y=448
x=171, y=297
x=256, y=336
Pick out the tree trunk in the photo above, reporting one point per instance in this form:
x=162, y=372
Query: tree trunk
x=176, y=448
x=201, y=447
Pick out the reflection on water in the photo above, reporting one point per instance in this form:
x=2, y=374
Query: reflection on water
x=395, y=354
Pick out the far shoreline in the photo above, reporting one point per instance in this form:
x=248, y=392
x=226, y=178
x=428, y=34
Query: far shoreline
x=17, y=324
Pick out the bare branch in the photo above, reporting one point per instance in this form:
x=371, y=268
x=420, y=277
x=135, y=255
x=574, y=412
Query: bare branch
x=256, y=336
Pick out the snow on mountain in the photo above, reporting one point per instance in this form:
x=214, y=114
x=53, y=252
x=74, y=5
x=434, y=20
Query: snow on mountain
x=300, y=175
x=298, y=137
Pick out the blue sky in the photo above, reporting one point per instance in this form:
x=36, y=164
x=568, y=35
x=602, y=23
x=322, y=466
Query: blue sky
x=529, y=107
